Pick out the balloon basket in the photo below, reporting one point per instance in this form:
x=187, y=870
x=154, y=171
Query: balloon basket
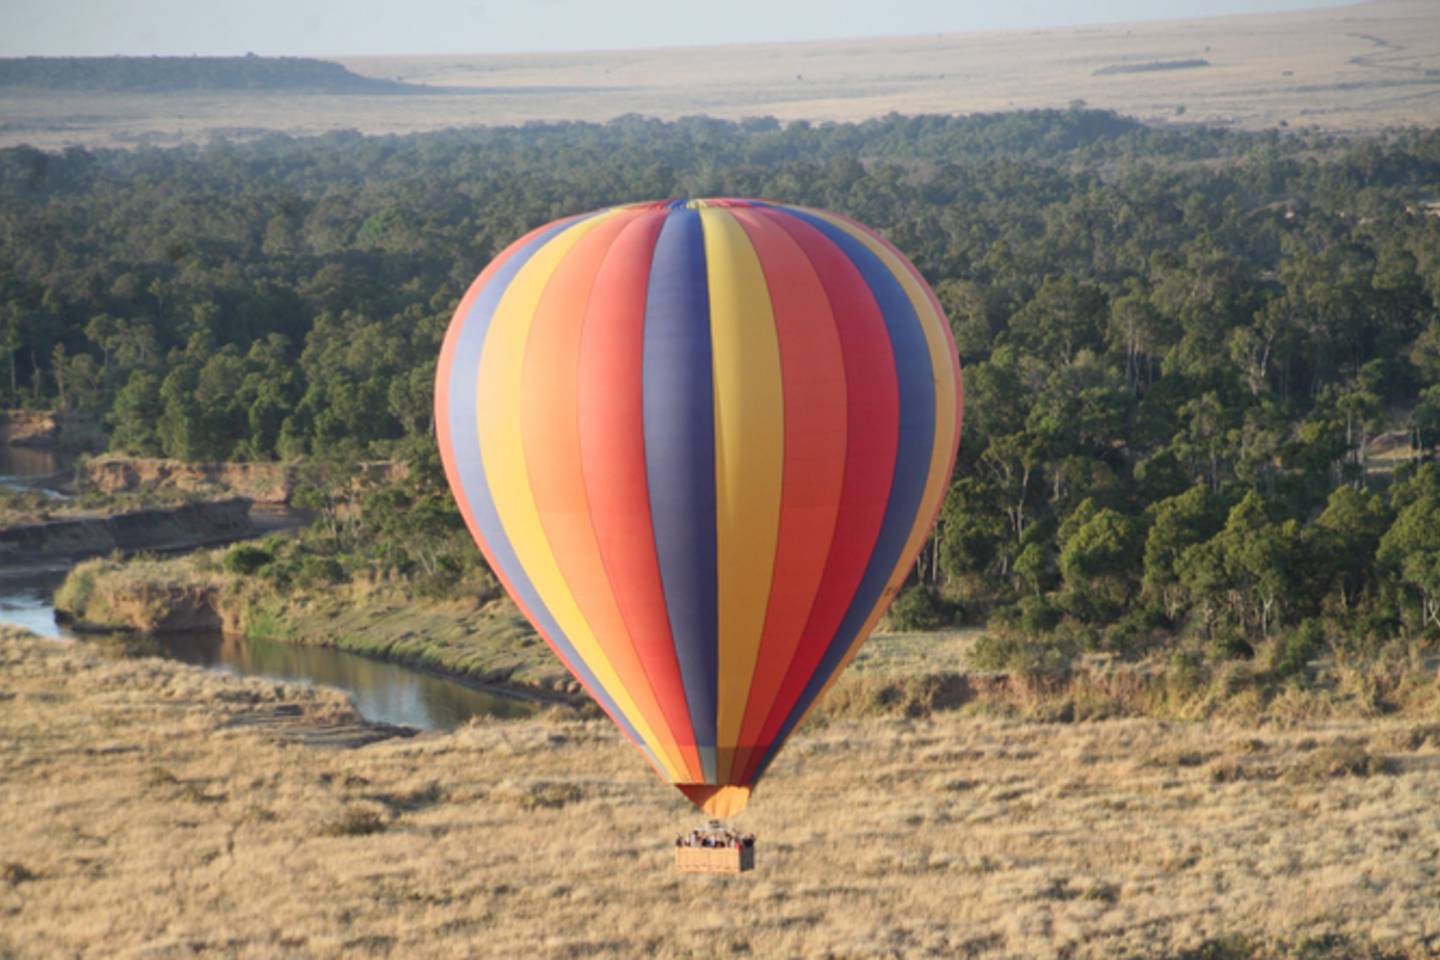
x=714, y=848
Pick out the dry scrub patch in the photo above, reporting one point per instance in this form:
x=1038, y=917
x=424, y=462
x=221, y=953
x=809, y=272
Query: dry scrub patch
x=141, y=815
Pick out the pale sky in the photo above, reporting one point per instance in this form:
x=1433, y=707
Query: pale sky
x=355, y=27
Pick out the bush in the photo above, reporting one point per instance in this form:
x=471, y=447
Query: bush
x=247, y=559
x=1032, y=616
x=1341, y=760
x=1303, y=644
x=1131, y=635
x=1186, y=672
x=920, y=607
x=14, y=874
x=318, y=572
x=354, y=822
x=1227, y=644
x=74, y=594
x=1007, y=652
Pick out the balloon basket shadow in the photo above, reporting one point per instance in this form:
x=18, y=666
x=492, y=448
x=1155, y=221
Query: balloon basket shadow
x=715, y=848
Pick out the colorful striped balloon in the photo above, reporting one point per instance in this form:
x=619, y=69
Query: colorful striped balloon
x=701, y=445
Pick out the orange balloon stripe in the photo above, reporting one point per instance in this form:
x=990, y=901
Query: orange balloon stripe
x=872, y=430
x=814, y=390
x=943, y=321
x=929, y=512
x=452, y=474
x=612, y=446
x=550, y=429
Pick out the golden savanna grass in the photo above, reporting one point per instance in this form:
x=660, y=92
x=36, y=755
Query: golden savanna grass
x=150, y=809
x=1357, y=67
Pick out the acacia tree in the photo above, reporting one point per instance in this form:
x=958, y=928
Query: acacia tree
x=1411, y=548
x=1177, y=524
x=1013, y=462
x=1258, y=560
x=1343, y=540
x=1099, y=560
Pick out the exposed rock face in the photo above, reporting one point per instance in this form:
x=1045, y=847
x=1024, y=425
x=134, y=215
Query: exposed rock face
x=37, y=428
x=191, y=525
x=260, y=482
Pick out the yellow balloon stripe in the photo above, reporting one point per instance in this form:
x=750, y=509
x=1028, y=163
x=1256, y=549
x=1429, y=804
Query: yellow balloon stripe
x=749, y=461
x=498, y=422
x=938, y=477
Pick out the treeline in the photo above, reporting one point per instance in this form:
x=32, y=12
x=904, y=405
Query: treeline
x=1184, y=351
x=180, y=74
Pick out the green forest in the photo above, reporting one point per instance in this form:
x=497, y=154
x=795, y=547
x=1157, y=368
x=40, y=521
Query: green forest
x=1202, y=367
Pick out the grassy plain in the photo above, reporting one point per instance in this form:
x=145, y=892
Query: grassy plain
x=1357, y=67
x=154, y=809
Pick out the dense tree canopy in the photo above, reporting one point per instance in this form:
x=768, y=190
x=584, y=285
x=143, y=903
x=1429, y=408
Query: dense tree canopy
x=1202, y=367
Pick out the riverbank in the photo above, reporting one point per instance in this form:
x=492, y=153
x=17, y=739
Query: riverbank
x=149, y=807
x=72, y=531
x=483, y=642
x=487, y=642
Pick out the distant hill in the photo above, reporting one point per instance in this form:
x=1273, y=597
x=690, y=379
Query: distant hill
x=182, y=74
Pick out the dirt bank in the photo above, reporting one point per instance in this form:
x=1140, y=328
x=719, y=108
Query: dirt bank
x=50, y=430
x=37, y=428
x=261, y=482
x=265, y=483
x=182, y=527
x=150, y=808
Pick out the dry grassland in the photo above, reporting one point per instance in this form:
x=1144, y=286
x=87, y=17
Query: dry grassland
x=149, y=809
x=1351, y=68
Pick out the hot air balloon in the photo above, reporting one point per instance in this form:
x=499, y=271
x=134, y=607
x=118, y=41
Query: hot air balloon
x=700, y=444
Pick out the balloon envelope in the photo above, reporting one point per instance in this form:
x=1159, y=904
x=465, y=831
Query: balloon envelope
x=700, y=443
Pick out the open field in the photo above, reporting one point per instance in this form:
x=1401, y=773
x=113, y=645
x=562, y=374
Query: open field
x=152, y=809
x=1350, y=68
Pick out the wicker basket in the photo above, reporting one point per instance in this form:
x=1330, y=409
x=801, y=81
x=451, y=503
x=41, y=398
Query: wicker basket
x=715, y=859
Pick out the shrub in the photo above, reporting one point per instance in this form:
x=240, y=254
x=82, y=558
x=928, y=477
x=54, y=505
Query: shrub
x=1341, y=760
x=1302, y=645
x=318, y=572
x=1038, y=615
x=1130, y=635
x=74, y=594
x=920, y=607
x=1186, y=672
x=1011, y=653
x=1229, y=644
x=14, y=874
x=354, y=822
x=261, y=623
x=247, y=559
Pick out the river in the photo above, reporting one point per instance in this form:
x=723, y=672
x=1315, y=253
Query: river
x=382, y=692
